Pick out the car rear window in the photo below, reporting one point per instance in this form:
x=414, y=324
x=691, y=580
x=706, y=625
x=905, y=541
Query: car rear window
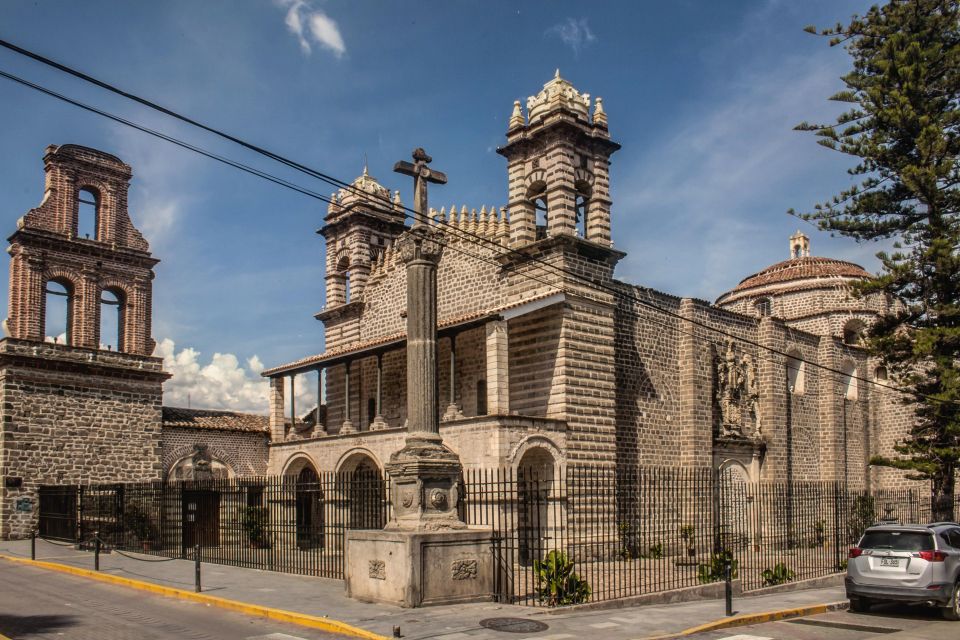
x=897, y=540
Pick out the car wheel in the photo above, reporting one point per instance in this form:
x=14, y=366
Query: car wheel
x=859, y=605
x=952, y=610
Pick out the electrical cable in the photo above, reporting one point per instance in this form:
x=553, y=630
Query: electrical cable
x=409, y=213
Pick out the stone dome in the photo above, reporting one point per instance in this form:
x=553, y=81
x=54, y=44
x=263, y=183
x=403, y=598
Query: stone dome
x=802, y=272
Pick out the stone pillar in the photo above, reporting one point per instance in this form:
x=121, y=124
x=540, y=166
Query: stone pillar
x=498, y=368
x=319, y=428
x=453, y=411
x=378, y=421
x=277, y=428
x=347, y=426
x=831, y=400
x=424, y=472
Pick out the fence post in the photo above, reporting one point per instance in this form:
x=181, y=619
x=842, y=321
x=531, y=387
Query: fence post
x=728, y=586
x=96, y=551
x=836, y=527
x=33, y=544
x=196, y=567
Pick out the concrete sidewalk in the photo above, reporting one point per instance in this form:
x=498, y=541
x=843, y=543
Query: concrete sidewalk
x=324, y=597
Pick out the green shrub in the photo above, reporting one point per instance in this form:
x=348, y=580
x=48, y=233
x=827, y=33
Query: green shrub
x=557, y=584
x=254, y=523
x=780, y=574
x=654, y=552
x=819, y=534
x=138, y=524
x=713, y=572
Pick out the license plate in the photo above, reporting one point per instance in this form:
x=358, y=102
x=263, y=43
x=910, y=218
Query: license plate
x=889, y=562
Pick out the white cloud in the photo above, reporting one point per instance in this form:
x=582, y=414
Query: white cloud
x=574, y=33
x=308, y=24
x=223, y=382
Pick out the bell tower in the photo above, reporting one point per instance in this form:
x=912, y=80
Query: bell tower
x=362, y=221
x=558, y=165
x=81, y=391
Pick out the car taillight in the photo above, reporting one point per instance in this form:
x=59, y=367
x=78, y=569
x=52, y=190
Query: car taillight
x=933, y=556
x=855, y=552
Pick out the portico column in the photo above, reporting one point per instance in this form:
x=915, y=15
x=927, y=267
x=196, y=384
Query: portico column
x=453, y=411
x=347, y=426
x=277, y=426
x=498, y=368
x=378, y=421
x=319, y=428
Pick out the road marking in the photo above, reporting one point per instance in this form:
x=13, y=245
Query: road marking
x=744, y=636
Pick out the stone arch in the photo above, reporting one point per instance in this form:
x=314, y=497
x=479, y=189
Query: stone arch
x=537, y=494
x=70, y=281
x=536, y=195
x=187, y=468
x=121, y=291
x=536, y=441
x=358, y=458
x=360, y=483
x=735, y=500
x=297, y=462
x=853, y=331
x=174, y=456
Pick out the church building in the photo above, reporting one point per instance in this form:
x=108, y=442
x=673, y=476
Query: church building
x=548, y=361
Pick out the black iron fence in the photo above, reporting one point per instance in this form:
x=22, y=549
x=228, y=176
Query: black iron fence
x=625, y=533
x=293, y=524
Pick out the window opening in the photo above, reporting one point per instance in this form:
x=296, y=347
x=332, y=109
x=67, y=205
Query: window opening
x=58, y=312
x=764, y=307
x=88, y=210
x=111, y=320
x=848, y=381
x=795, y=374
x=880, y=373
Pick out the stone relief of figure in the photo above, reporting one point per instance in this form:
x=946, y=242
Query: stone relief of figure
x=737, y=394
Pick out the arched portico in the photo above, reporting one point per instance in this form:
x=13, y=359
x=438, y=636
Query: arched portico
x=360, y=483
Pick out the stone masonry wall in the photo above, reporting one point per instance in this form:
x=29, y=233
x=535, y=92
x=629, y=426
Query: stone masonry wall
x=73, y=415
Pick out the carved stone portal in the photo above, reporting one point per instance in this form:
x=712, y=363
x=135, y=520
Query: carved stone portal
x=738, y=394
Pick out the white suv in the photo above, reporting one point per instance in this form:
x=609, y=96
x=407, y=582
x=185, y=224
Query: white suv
x=913, y=564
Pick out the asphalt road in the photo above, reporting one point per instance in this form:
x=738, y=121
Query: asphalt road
x=883, y=622
x=35, y=603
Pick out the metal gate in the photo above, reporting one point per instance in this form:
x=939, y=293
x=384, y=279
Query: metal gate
x=59, y=511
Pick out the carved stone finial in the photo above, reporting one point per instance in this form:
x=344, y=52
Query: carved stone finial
x=516, y=118
x=599, y=115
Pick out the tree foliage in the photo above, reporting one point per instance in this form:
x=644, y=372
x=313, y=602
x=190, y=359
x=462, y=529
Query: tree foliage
x=902, y=127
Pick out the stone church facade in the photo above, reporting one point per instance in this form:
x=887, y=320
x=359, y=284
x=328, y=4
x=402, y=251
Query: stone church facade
x=86, y=407
x=546, y=359
x=539, y=368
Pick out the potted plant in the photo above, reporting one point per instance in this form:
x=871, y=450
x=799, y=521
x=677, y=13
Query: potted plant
x=254, y=523
x=140, y=527
x=686, y=534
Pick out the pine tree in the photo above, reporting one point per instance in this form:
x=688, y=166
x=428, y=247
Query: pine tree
x=902, y=127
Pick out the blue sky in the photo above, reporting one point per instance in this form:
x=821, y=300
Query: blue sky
x=702, y=95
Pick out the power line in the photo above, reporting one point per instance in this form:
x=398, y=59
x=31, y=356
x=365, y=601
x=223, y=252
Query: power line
x=409, y=213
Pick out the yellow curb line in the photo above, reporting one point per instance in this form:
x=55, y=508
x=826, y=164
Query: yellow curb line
x=755, y=618
x=302, y=619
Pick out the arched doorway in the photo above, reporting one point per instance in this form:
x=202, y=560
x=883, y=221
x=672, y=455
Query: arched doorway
x=362, y=484
x=309, y=509
x=735, y=497
x=535, y=491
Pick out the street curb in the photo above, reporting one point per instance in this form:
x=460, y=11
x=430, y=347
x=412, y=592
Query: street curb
x=756, y=618
x=301, y=619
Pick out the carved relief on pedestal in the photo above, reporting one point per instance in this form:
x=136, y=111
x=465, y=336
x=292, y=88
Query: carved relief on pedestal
x=464, y=569
x=378, y=570
x=738, y=394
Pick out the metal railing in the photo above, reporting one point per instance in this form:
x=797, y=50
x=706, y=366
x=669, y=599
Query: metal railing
x=626, y=532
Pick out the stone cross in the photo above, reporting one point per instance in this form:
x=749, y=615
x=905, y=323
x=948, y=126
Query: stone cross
x=422, y=174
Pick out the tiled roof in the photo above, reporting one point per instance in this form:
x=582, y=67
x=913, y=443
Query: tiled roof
x=803, y=269
x=400, y=336
x=214, y=419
